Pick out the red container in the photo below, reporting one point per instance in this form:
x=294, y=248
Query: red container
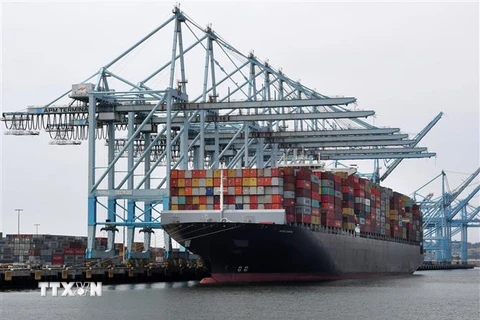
x=289, y=187
x=330, y=223
x=276, y=198
x=291, y=217
x=338, y=223
x=290, y=210
x=289, y=179
x=328, y=206
x=303, y=218
x=254, y=205
x=69, y=251
x=246, y=173
x=305, y=193
x=304, y=184
x=277, y=173
x=315, y=212
x=79, y=252
x=325, y=198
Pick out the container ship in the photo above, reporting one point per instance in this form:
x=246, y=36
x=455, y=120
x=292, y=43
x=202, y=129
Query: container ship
x=292, y=224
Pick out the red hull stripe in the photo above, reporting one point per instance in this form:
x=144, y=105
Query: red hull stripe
x=290, y=277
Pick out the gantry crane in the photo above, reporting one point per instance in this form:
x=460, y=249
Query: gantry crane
x=447, y=215
x=238, y=112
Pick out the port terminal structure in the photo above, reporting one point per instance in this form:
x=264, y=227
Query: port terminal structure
x=236, y=112
x=448, y=215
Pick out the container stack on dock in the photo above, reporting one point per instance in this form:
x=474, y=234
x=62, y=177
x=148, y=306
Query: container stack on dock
x=324, y=198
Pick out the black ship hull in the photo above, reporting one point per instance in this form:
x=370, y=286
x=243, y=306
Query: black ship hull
x=249, y=252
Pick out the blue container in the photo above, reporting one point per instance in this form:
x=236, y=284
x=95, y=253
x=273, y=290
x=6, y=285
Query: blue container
x=181, y=200
x=239, y=206
x=209, y=191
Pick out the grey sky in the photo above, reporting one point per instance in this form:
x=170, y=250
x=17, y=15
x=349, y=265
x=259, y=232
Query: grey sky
x=406, y=61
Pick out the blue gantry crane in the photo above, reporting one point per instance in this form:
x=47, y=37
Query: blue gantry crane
x=447, y=215
x=238, y=111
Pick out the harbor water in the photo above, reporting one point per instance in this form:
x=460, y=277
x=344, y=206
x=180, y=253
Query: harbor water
x=427, y=295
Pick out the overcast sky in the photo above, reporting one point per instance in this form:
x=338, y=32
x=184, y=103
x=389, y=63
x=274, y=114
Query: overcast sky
x=406, y=61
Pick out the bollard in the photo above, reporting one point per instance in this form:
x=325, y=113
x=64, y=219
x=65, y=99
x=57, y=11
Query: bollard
x=130, y=272
x=88, y=274
x=64, y=274
x=38, y=275
x=8, y=275
x=110, y=273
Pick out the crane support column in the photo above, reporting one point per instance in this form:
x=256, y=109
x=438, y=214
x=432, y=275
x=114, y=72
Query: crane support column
x=112, y=203
x=92, y=200
x=130, y=202
x=464, y=242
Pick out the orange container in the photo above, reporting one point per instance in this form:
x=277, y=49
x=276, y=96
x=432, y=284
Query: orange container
x=188, y=191
x=238, y=191
x=174, y=174
x=202, y=173
x=267, y=181
x=181, y=174
x=202, y=200
x=216, y=182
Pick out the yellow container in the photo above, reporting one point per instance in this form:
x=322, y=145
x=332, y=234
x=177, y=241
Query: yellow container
x=209, y=182
x=181, y=191
x=246, y=182
x=231, y=173
x=174, y=206
x=253, y=182
x=203, y=207
x=195, y=183
x=196, y=200
x=216, y=173
x=181, y=183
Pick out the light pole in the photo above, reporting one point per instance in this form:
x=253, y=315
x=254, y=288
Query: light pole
x=36, y=227
x=18, y=213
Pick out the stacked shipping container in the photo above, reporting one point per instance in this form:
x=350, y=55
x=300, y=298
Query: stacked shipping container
x=333, y=200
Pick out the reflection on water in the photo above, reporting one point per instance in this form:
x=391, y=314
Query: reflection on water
x=143, y=286
x=420, y=296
